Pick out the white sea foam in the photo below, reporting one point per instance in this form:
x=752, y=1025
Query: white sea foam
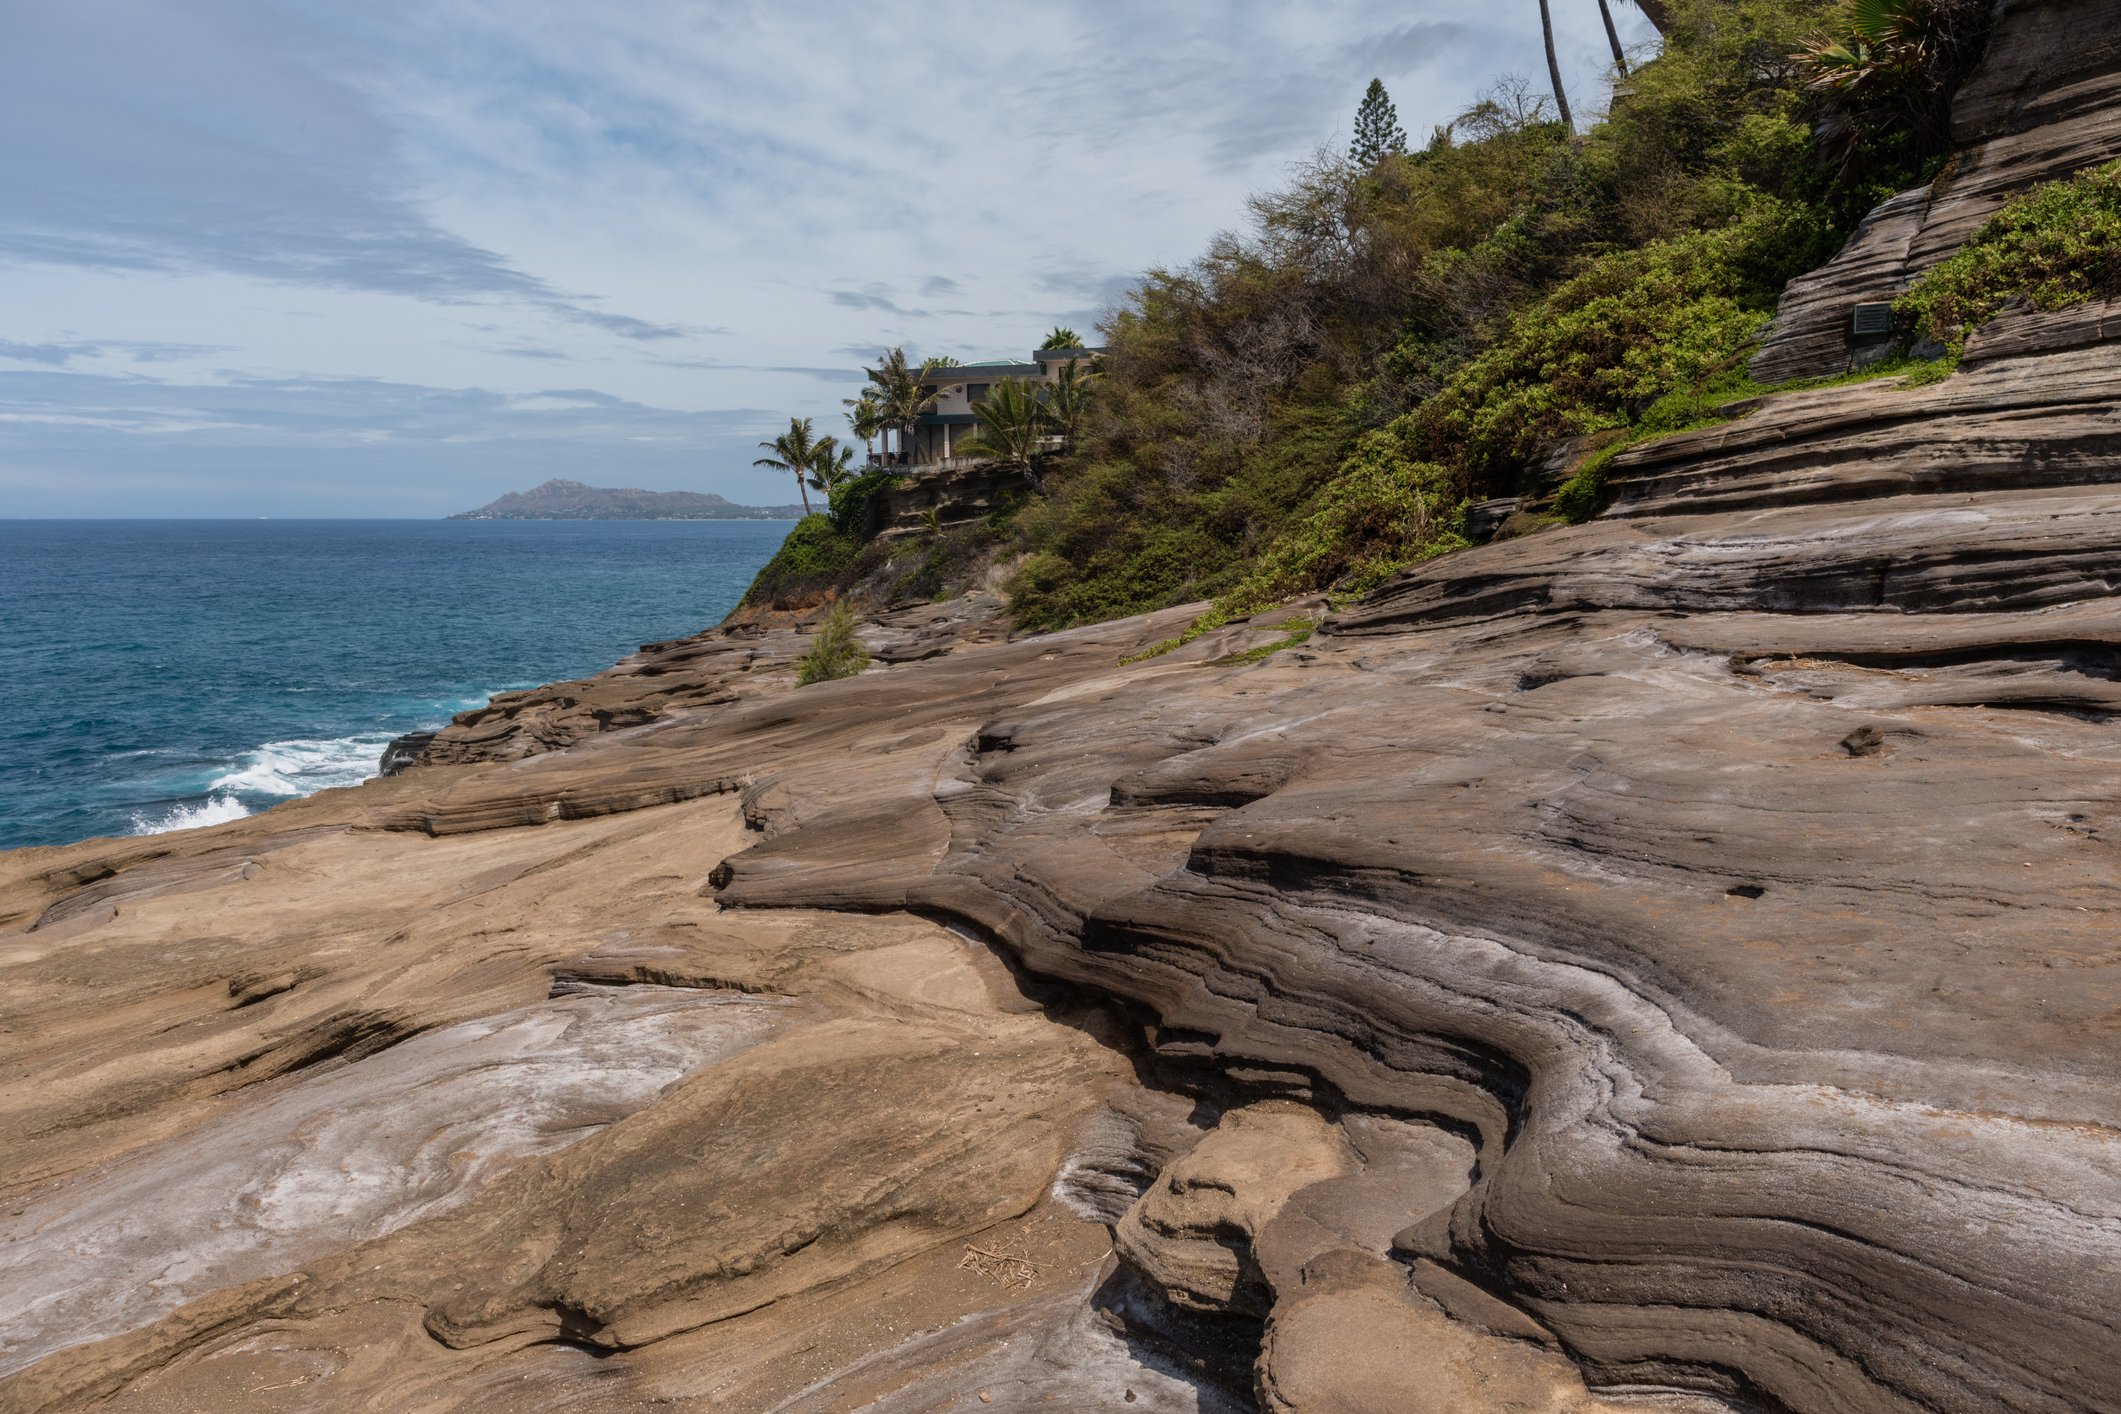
x=214, y=810
x=276, y=771
x=285, y=769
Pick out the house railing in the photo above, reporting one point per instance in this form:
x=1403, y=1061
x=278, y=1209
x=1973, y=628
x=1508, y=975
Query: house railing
x=918, y=467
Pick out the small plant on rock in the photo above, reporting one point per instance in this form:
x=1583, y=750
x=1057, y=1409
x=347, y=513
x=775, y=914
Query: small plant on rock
x=835, y=652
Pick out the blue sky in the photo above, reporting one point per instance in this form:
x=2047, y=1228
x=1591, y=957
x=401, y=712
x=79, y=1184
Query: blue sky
x=264, y=258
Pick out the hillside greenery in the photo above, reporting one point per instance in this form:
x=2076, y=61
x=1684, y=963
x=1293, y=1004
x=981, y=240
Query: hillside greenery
x=1320, y=398
x=2057, y=245
x=826, y=551
x=1317, y=399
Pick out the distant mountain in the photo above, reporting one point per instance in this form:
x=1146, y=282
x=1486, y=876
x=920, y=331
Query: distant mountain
x=571, y=500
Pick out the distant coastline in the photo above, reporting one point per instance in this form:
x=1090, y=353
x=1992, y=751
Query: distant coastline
x=575, y=500
x=734, y=513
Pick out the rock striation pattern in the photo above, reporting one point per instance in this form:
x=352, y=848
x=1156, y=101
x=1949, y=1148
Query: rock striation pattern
x=1661, y=963
x=1664, y=963
x=750, y=653
x=2045, y=102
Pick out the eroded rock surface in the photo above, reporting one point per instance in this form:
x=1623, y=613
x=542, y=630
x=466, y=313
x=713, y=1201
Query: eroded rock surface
x=1667, y=962
x=353, y=1154
x=753, y=652
x=330, y=1118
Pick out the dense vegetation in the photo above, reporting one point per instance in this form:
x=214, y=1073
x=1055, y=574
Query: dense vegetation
x=1319, y=399
x=2057, y=245
x=825, y=552
x=1315, y=401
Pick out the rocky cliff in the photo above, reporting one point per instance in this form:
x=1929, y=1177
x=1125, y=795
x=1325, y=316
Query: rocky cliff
x=1666, y=959
x=1662, y=963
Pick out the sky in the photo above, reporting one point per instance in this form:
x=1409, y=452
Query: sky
x=294, y=258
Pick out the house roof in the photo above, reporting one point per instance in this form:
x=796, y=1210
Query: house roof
x=966, y=372
x=961, y=372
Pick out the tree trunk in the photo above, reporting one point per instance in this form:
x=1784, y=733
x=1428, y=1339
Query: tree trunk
x=802, y=490
x=1561, y=97
x=1612, y=35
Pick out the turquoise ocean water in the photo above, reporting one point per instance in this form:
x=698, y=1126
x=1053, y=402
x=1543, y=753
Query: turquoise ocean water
x=164, y=674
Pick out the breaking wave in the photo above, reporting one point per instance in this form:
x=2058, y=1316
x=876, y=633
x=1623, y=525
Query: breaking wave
x=276, y=771
x=285, y=769
x=214, y=810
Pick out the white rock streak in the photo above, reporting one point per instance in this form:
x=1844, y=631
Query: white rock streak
x=346, y=1154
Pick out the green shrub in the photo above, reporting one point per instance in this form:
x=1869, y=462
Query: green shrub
x=1579, y=498
x=849, y=502
x=1379, y=513
x=1115, y=537
x=834, y=652
x=815, y=558
x=1632, y=329
x=2058, y=244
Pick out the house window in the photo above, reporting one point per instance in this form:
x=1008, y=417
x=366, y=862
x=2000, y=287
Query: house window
x=975, y=392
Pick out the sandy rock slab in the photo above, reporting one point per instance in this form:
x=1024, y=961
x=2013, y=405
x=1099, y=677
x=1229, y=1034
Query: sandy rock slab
x=345, y=1156
x=376, y=1121
x=1667, y=961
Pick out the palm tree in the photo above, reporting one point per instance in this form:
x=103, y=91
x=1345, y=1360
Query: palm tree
x=1612, y=37
x=831, y=466
x=905, y=394
x=1062, y=337
x=1561, y=97
x=866, y=416
x=794, y=450
x=1012, y=425
x=1067, y=398
x=887, y=382
x=1885, y=41
x=1888, y=70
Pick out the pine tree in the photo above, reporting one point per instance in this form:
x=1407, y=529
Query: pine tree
x=1377, y=131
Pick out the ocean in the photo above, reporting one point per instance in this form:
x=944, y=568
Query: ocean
x=166, y=674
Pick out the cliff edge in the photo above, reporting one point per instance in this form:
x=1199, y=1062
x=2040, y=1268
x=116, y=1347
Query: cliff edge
x=1660, y=963
x=1668, y=954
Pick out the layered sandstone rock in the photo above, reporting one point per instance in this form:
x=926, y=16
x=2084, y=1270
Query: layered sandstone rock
x=750, y=652
x=306, y=1115
x=1668, y=959
x=1663, y=963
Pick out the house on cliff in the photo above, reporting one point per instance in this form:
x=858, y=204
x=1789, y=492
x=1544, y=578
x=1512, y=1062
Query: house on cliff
x=964, y=386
